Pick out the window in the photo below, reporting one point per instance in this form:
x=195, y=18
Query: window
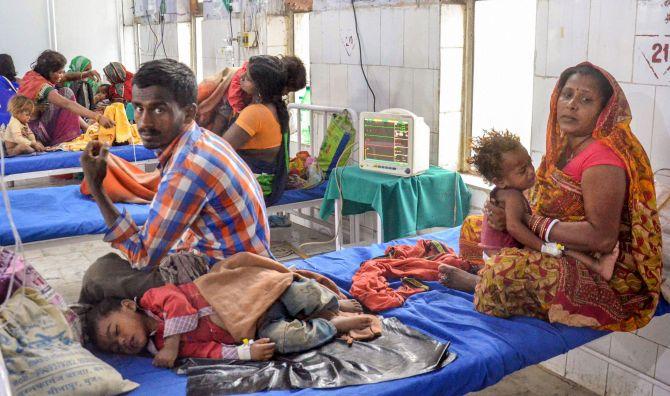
x=301, y=50
x=486, y=73
x=504, y=53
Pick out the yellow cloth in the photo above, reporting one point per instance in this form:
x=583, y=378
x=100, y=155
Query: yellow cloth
x=122, y=132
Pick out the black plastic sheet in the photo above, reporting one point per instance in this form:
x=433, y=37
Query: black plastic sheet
x=400, y=352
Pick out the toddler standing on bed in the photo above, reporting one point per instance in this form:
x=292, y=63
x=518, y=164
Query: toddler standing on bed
x=17, y=136
x=503, y=161
x=176, y=321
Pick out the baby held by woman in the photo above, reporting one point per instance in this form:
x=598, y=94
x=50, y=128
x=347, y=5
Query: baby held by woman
x=502, y=161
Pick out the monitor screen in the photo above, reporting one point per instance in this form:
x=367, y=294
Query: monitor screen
x=386, y=140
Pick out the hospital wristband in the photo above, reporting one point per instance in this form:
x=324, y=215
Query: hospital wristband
x=552, y=249
x=551, y=225
x=244, y=352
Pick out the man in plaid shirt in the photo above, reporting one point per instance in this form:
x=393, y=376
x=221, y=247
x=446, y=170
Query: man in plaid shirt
x=208, y=200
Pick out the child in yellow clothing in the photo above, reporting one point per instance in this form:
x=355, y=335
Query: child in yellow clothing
x=17, y=136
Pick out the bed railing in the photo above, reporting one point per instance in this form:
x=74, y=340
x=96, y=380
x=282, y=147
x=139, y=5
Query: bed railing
x=319, y=117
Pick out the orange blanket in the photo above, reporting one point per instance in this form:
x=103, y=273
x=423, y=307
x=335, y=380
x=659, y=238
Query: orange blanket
x=421, y=261
x=125, y=182
x=242, y=288
x=211, y=92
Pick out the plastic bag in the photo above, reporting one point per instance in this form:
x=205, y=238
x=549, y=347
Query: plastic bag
x=25, y=275
x=337, y=143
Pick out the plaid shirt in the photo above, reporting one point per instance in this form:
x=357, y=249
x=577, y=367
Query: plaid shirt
x=208, y=201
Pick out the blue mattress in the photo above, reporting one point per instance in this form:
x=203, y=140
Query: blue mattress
x=68, y=159
x=56, y=212
x=293, y=196
x=488, y=348
x=59, y=212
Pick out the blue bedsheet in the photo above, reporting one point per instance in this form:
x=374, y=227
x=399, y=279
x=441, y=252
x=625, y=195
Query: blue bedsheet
x=488, y=348
x=68, y=159
x=293, y=196
x=59, y=212
x=56, y=212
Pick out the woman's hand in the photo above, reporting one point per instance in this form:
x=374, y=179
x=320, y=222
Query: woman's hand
x=495, y=215
x=92, y=74
x=262, y=349
x=105, y=122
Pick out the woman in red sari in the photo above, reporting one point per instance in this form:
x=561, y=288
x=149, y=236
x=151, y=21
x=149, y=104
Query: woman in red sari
x=58, y=117
x=596, y=180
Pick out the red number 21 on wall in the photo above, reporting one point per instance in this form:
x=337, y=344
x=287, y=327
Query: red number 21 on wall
x=660, y=52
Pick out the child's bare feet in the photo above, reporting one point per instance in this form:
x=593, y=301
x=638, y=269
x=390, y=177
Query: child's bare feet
x=344, y=324
x=456, y=278
x=350, y=306
x=606, y=263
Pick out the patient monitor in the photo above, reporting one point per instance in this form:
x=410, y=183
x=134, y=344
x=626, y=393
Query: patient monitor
x=393, y=141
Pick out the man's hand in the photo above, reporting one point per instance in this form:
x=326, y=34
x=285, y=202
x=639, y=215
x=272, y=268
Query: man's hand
x=166, y=357
x=94, y=163
x=495, y=214
x=262, y=349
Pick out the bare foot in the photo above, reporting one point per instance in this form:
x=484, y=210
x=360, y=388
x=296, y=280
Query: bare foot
x=344, y=324
x=456, y=278
x=350, y=306
x=606, y=263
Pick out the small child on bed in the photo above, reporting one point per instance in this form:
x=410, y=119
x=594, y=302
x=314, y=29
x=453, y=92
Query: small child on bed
x=503, y=161
x=176, y=321
x=17, y=136
x=101, y=98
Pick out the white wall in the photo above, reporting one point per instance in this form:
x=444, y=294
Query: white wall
x=88, y=28
x=82, y=27
x=24, y=28
x=401, y=56
x=273, y=35
x=617, y=35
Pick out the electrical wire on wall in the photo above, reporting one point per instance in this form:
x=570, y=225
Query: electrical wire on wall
x=153, y=53
x=360, y=59
x=161, y=19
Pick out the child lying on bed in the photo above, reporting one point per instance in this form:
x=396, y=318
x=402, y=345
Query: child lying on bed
x=504, y=162
x=177, y=321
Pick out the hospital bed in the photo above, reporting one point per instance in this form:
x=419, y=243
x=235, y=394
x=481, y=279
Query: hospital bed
x=31, y=166
x=488, y=348
x=49, y=214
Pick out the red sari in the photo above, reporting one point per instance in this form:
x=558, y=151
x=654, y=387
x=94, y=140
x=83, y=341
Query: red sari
x=525, y=282
x=55, y=125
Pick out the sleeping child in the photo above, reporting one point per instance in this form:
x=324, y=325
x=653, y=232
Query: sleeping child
x=253, y=297
x=17, y=136
x=504, y=162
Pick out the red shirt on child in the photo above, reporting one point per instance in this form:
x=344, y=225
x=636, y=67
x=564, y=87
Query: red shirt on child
x=181, y=309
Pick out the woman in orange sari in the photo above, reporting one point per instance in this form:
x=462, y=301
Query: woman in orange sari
x=596, y=181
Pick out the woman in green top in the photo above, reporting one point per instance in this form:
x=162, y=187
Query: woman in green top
x=84, y=88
